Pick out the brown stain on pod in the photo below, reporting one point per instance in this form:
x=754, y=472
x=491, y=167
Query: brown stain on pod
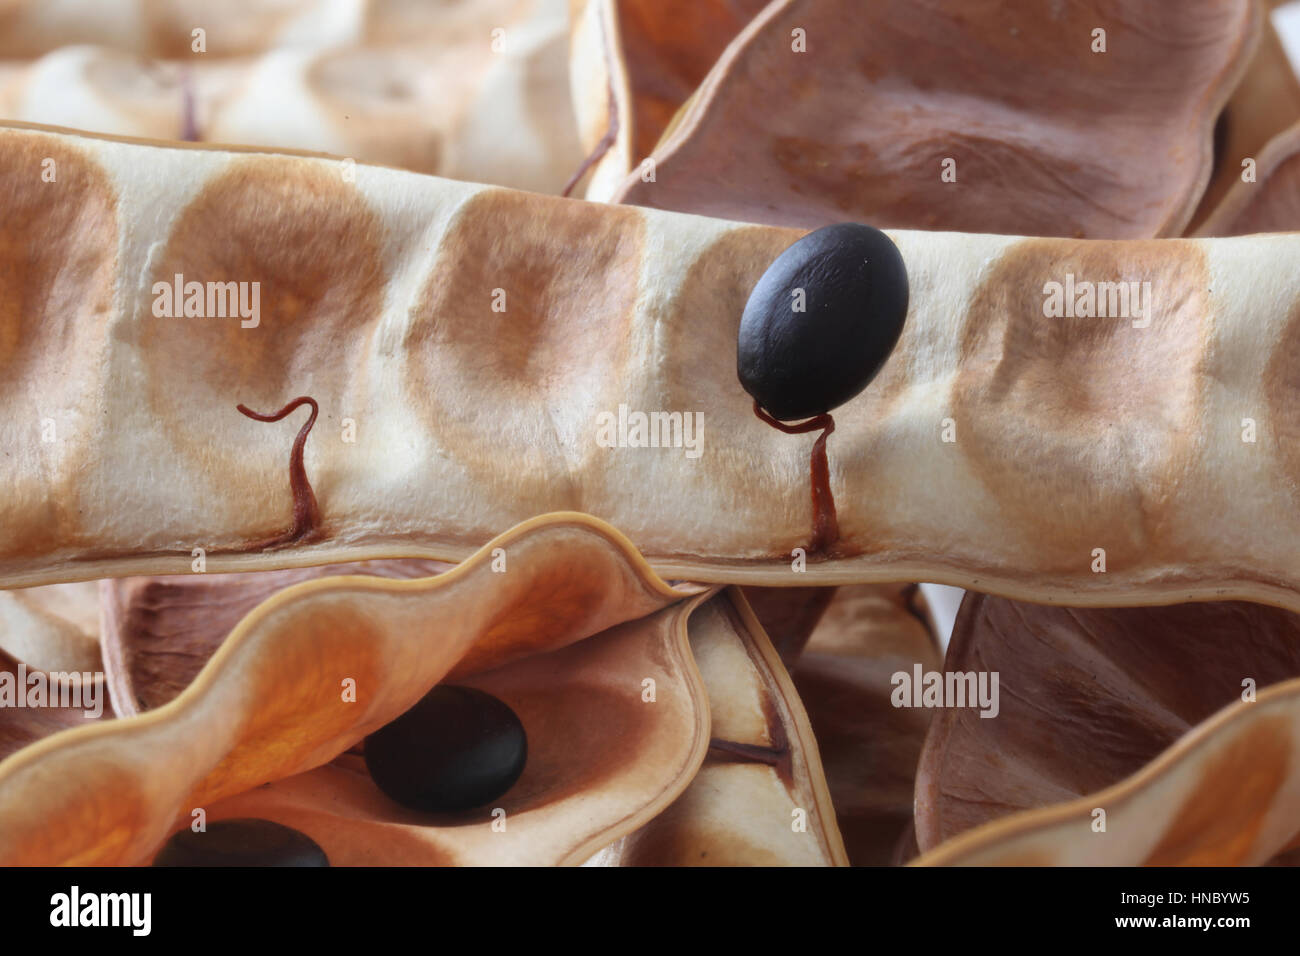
x=705, y=319
x=58, y=266
x=313, y=245
x=1083, y=399
x=517, y=252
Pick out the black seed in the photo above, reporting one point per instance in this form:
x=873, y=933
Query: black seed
x=802, y=364
x=458, y=748
x=241, y=843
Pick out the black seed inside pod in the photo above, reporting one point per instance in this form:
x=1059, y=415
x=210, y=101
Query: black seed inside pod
x=244, y=842
x=822, y=320
x=458, y=748
x=817, y=328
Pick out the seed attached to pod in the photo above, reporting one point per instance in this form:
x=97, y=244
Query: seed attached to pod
x=822, y=320
x=458, y=748
x=816, y=330
x=243, y=842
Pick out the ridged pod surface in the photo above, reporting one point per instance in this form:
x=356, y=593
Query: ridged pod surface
x=1068, y=435
x=377, y=299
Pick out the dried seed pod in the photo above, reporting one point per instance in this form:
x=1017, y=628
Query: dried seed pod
x=917, y=132
x=1042, y=429
x=621, y=760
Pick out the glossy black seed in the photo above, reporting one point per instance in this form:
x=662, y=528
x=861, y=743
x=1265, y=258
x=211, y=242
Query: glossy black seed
x=458, y=748
x=799, y=364
x=244, y=842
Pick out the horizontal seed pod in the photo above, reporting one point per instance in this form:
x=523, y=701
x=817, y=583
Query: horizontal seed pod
x=474, y=350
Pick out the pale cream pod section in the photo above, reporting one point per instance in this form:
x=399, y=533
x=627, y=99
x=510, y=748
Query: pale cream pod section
x=469, y=339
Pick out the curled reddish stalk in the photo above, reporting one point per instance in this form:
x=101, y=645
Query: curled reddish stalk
x=826, y=526
x=306, y=513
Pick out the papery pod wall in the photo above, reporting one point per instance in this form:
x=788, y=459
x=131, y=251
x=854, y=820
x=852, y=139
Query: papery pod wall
x=441, y=506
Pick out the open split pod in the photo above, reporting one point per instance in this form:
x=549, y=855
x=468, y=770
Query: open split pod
x=920, y=116
x=559, y=618
x=1125, y=736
